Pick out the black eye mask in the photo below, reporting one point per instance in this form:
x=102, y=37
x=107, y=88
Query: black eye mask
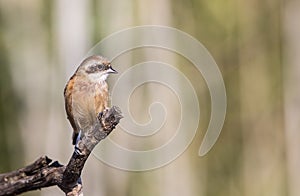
x=96, y=68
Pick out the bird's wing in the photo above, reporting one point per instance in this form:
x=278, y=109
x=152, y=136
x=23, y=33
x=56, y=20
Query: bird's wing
x=83, y=105
x=68, y=102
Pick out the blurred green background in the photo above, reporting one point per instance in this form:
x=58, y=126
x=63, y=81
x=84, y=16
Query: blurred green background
x=255, y=43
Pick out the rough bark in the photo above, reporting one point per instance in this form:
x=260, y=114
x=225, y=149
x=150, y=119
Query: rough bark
x=44, y=172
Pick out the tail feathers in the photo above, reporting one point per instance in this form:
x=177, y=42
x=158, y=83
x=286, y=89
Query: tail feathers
x=76, y=137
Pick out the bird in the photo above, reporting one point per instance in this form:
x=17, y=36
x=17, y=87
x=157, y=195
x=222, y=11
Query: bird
x=86, y=94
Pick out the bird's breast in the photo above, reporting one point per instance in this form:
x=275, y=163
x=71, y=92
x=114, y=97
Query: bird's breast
x=101, y=97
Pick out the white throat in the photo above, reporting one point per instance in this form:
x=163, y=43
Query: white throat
x=98, y=78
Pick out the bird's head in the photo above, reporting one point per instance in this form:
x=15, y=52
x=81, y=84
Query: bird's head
x=95, y=67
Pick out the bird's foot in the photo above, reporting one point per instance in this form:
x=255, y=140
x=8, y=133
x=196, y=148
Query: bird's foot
x=102, y=113
x=77, y=150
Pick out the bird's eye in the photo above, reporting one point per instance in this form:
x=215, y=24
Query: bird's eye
x=100, y=66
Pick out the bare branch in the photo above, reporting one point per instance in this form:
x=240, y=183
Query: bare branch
x=44, y=173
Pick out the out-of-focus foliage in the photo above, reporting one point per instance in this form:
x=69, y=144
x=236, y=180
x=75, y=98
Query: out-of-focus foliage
x=10, y=109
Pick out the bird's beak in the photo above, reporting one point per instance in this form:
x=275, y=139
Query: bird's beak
x=111, y=70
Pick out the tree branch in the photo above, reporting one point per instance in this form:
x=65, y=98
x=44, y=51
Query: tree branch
x=44, y=173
